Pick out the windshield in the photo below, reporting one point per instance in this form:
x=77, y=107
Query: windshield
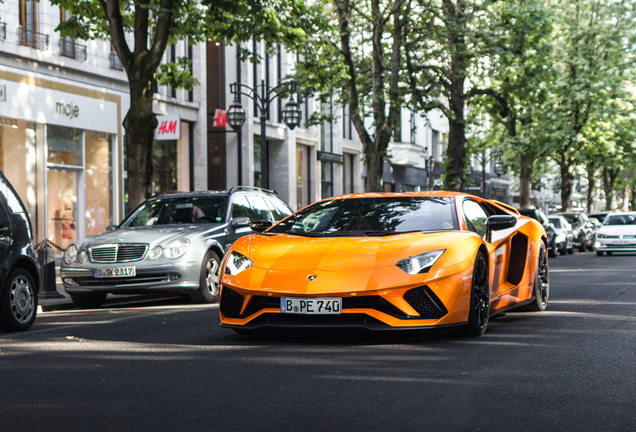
x=372, y=216
x=530, y=213
x=620, y=220
x=556, y=222
x=573, y=219
x=183, y=210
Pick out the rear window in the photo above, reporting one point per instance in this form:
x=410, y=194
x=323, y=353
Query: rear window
x=556, y=222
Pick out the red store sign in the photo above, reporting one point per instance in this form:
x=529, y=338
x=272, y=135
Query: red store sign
x=168, y=128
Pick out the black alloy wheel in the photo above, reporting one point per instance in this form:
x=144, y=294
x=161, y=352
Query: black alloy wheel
x=479, y=313
x=541, y=286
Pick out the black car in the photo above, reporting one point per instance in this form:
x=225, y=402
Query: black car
x=19, y=272
x=539, y=216
x=584, y=230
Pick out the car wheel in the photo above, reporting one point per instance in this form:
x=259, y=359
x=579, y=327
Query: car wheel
x=19, y=302
x=541, y=286
x=208, y=291
x=582, y=247
x=571, y=250
x=554, y=252
x=563, y=251
x=599, y=253
x=479, y=298
x=610, y=253
x=88, y=301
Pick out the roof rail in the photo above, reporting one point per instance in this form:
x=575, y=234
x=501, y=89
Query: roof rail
x=166, y=193
x=235, y=188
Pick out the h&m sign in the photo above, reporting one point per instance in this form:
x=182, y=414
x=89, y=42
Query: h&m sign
x=168, y=128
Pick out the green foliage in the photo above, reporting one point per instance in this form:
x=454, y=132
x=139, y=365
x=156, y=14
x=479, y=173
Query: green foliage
x=177, y=74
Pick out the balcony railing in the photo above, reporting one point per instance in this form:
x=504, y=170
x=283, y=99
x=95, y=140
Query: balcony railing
x=115, y=63
x=3, y=30
x=72, y=49
x=33, y=39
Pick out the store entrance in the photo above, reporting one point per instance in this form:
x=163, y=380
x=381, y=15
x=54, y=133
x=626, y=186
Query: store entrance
x=62, y=206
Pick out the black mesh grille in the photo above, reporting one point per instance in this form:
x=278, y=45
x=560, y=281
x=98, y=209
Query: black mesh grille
x=518, y=255
x=231, y=303
x=425, y=302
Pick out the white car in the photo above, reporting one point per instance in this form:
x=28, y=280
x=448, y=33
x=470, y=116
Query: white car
x=617, y=234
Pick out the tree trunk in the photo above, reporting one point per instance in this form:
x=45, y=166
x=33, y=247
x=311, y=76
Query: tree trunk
x=456, y=151
x=591, y=185
x=525, y=180
x=140, y=123
x=625, y=198
x=567, y=180
x=375, y=165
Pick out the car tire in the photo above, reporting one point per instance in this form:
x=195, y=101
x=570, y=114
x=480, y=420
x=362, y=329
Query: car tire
x=554, y=252
x=541, y=286
x=571, y=250
x=479, y=312
x=88, y=301
x=563, y=251
x=582, y=248
x=610, y=253
x=210, y=282
x=599, y=253
x=19, y=302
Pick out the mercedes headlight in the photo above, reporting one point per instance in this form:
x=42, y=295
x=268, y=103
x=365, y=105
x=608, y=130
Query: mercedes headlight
x=420, y=263
x=236, y=263
x=70, y=254
x=83, y=257
x=177, y=248
x=155, y=253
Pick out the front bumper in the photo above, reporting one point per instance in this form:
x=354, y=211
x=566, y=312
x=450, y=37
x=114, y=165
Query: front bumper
x=602, y=246
x=418, y=308
x=169, y=277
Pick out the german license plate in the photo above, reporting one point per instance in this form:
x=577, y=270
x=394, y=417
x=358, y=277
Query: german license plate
x=310, y=305
x=114, y=272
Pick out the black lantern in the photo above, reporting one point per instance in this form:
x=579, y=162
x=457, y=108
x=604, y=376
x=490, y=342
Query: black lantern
x=235, y=115
x=292, y=114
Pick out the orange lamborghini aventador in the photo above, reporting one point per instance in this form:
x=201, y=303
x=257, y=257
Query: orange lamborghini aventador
x=387, y=261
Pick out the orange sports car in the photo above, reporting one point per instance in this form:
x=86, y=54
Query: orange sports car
x=387, y=261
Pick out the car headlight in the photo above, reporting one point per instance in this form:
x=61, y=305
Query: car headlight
x=83, y=257
x=177, y=248
x=420, y=263
x=599, y=235
x=70, y=254
x=236, y=263
x=155, y=253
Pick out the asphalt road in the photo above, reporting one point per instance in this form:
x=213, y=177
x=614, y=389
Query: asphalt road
x=166, y=365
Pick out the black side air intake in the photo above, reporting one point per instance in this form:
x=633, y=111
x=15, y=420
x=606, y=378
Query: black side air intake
x=518, y=256
x=425, y=302
x=231, y=303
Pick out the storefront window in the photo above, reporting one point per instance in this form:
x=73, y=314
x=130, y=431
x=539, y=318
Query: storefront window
x=99, y=184
x=17, y=159
x=62, y=207
x=164, y=164
x=64, y=145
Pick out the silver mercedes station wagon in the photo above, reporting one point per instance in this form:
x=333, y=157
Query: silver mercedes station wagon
x=172, y=242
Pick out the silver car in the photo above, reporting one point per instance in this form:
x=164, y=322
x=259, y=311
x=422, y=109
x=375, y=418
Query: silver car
x=172, y=242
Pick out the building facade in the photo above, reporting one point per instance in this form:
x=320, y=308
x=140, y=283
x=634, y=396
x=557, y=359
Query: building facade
x=61, y=135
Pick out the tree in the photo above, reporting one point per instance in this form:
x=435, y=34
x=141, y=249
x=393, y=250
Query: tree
x=513, y=83
x=140, y=31
x=356, y=55
x=593, y=52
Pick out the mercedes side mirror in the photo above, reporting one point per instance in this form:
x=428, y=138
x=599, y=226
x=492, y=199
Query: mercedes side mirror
x=260, y=225
x=499, y=222
x=111, y=227
x=241, y=222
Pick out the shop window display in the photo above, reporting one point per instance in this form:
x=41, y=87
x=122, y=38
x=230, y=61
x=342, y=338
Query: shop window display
x=99, y=183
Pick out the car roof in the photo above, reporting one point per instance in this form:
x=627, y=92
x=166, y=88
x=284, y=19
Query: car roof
x=212, y=193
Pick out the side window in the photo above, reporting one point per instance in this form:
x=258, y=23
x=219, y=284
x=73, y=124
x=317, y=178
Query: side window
x=260, y=208
x=241, y=208
x=12, y=200
x=282, y=208
x=475, y=217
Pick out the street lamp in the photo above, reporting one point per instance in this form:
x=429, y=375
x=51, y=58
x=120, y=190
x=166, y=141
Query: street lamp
x=499, y=167
x=292, y=114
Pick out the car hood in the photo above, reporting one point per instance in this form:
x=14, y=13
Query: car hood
x=299, y=253
x=153, y=235
x=618, y=230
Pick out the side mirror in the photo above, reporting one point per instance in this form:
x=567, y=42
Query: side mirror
x=111, y=227
x=260, y=225
x=498, y=223
x=240, y=222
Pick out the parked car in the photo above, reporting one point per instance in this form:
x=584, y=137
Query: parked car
x=564, y=235
x=19, y=270
x=539, y=216
x=172, y=242
x=617, y=234
x=599, y=216
x=583, y=230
